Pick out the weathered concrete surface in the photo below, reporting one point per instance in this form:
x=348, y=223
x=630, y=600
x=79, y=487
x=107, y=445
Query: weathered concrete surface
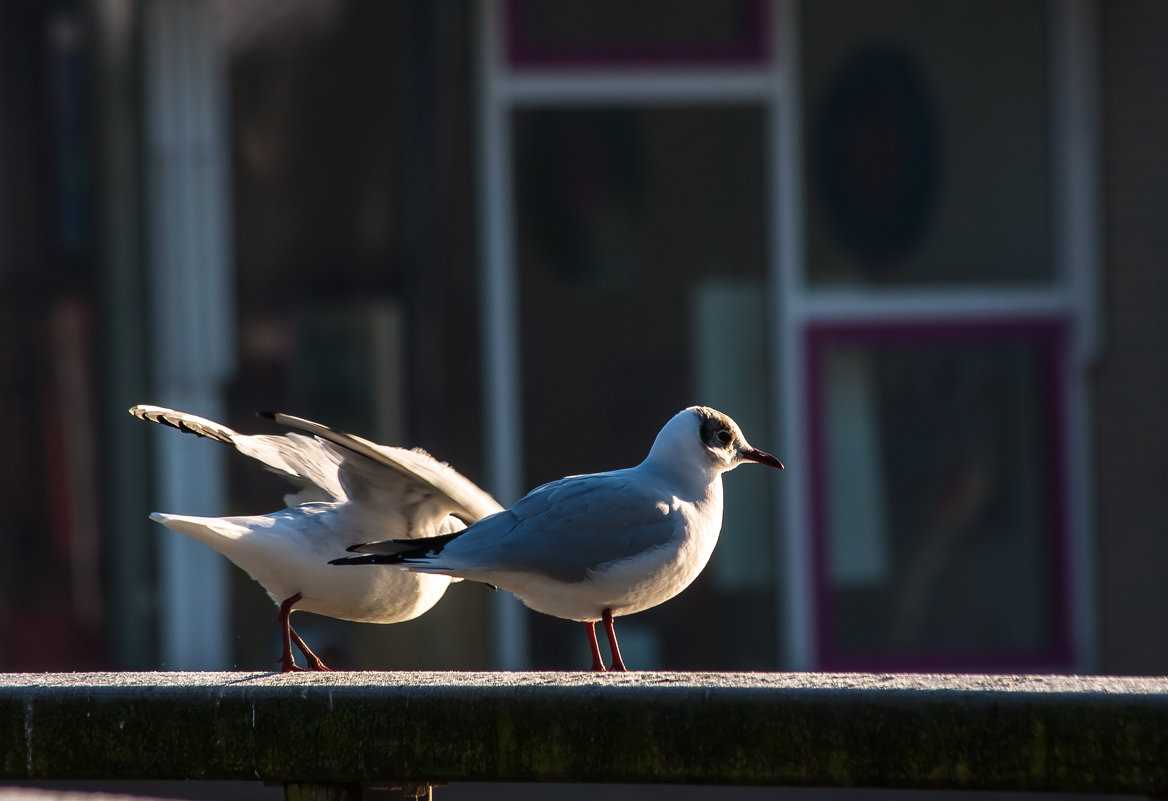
x=1094, y=734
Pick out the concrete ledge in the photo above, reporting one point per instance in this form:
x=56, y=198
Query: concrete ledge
x=1041, y=733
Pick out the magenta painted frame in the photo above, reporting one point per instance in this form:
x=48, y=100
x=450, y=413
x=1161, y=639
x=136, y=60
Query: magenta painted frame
x=1051, y=335
x=753, y=50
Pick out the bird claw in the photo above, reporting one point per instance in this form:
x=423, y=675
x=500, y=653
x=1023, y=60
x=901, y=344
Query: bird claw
x=314, y=664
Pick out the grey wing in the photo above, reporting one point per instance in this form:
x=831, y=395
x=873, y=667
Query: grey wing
x=308, y=463
x=411, y=492
x=567, y=529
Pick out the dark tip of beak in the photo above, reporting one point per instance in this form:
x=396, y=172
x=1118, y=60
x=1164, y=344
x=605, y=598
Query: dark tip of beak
x=762, y=457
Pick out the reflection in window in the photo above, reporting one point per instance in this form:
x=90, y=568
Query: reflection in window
x=640, y=247
x=927, y=131
x=939, y=493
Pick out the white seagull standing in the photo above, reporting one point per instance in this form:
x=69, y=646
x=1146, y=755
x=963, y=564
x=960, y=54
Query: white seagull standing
x=598, y=546
x=349, y=490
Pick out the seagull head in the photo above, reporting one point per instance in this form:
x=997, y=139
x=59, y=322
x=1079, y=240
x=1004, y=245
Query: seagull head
x=705, y=440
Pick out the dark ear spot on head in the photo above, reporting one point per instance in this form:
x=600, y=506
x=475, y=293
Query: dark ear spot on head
x=715, y=433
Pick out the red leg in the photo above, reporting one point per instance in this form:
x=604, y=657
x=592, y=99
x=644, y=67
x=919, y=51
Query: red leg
x=287, y=661
x=618, y=664
x=313, y=660
x=597, y=662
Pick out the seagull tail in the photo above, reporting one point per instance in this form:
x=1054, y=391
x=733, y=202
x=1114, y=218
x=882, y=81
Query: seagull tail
x=219, y=533
x=397, y=552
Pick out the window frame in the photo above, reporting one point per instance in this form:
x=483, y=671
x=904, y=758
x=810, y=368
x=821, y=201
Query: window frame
x=1072, y=298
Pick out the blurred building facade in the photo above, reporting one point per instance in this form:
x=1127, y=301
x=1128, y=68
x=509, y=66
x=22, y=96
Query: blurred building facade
x=915, y=249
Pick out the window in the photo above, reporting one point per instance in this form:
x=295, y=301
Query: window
x=627, y=259
x=934, y=340
x=641, y=273
x=880, y=204
x=608, y=33
x=939, y=494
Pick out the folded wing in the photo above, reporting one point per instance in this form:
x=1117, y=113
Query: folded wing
x=564, y=530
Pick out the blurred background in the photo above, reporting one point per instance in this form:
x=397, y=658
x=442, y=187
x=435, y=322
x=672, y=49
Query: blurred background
x=917, y=250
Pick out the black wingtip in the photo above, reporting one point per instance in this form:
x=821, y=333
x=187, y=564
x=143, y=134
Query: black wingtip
x=266, y=415
x=406, y=545
x=354, y=560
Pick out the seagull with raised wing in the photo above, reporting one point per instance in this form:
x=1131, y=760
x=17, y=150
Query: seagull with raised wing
x=594, y=547
x=348, y=491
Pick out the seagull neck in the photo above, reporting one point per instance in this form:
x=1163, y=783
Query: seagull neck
x=688, y=484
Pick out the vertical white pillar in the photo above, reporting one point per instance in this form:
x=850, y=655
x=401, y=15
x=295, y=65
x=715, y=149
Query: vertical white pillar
x=191, y=316
x=500, y=335
x=797, y=604
x=1077, y=243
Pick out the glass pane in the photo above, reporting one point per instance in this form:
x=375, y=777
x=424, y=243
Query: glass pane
x=640, y=237
x=927, y=143
x=645, y=31
x=938, y=496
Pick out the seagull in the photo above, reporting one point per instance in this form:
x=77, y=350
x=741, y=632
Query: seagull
x=348, y=490
x=594, y=547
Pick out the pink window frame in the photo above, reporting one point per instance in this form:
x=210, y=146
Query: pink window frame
x=1051, y=336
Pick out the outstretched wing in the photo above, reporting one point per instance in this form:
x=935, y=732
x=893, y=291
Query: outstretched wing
x=308, y=463
x=404, y=493
x=422, y=481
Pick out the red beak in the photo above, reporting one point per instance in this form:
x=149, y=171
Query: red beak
x=762, y=457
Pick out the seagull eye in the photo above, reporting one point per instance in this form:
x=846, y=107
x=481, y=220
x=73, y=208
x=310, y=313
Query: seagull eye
x=725, y=437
